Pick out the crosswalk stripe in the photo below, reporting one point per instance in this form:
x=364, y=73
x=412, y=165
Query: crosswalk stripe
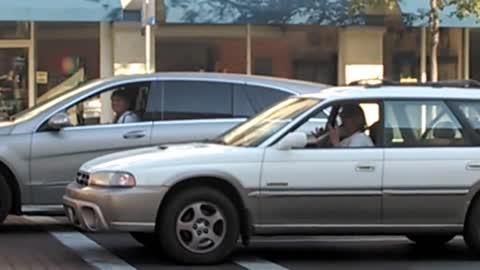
x=91, y=252
x=256, y=263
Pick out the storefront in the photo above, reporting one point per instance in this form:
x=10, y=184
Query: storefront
x=317, y=40
x=49, y=46
x=47, y=50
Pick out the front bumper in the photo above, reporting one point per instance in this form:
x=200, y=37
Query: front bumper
x=112, y=209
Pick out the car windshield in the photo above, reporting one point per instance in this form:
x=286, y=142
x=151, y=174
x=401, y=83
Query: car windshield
x=258, y=129
x=40, y=107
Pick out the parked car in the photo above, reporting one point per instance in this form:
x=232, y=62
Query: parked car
x=420, y=178
x=43, y=147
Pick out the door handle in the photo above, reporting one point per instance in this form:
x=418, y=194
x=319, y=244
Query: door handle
x=475, y=166
x=137, y=134
x=365, y=168
x=277, y=184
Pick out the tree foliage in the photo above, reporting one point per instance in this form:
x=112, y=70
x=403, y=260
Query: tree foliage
x=322, y=12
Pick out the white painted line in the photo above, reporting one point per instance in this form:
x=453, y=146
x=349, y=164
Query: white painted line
x=91, y=252
x=255, y=263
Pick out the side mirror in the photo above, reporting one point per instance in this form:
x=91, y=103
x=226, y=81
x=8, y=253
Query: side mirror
x=292, y=140
x=59, y=121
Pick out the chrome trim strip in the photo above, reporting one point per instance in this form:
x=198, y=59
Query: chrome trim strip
x=145, y=124
x=314, y=193
x=420, y=192
x=42, y=208
x=289, y=226
x=133, y=224
x=196, y=121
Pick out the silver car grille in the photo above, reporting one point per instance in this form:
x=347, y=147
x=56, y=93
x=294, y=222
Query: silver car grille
x=82, y=178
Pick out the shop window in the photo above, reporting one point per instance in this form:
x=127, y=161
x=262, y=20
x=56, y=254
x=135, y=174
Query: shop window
x=13, y=81
x=14, y=30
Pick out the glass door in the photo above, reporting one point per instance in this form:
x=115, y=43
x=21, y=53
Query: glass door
x=14, y=91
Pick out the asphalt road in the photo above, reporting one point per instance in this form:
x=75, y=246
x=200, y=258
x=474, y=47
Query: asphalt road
x=51, y=243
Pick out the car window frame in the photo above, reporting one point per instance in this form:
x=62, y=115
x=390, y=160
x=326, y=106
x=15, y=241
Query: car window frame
x=40, y=127
x=335, y=104
x=288, y=93
x=160, y=86
x=236, y=86
x=467, y=132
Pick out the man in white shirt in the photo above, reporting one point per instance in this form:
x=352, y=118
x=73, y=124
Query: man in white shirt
x=354, y=125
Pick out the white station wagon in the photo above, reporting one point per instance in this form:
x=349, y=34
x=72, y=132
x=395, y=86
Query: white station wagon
x=419, y=176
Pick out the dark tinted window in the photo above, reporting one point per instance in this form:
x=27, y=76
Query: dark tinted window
x=197, y=100
x=260, y=98
x=243, y=105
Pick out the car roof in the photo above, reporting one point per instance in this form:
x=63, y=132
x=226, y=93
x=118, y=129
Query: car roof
x=400, y=92
x=294, y=86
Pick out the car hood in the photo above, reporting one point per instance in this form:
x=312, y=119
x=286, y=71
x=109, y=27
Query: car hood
x=172, y=155
x=6, y=127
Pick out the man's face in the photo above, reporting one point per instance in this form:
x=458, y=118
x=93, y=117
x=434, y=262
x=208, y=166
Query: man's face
x=119, y=104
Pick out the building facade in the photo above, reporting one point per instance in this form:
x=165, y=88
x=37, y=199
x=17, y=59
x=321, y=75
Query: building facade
x=50, y=52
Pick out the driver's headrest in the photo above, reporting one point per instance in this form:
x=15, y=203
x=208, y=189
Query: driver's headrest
x=444, y=130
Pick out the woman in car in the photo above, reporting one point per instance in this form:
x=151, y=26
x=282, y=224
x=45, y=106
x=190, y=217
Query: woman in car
x=352, y=130
x=123, y=108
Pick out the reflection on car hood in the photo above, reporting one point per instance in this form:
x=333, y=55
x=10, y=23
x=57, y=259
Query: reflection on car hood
x=165, y=155
x=6, y=127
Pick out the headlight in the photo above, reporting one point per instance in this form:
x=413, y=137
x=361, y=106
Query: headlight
x=112, y=179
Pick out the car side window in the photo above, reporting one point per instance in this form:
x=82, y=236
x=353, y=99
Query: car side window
x=471, y=111
x=357, y=124
x=242, y=103
x=421, y=123
x=124, y=104
x=262, y=98
x=191, y=100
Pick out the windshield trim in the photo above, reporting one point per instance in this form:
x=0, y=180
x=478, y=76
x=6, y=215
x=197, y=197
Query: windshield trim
x=283, y=131
x=278, y=108
x=50, y=103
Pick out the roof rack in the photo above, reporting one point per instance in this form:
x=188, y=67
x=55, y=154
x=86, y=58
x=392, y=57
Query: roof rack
x=374, y=83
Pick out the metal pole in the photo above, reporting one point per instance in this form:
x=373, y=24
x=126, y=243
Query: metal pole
x=150, y=36
x=466, y=53
x=249, y=49
x=423, y=55
x=106, y=67
x=32, y=66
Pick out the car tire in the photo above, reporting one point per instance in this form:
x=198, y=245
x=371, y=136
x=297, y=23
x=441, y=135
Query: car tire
x=149, y=240
x=5, y=199
x=431, y=240
x=199, y=226
x=471, y=232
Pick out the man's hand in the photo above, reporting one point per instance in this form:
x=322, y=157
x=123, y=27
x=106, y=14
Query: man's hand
x=318, y=132
x=334, y=135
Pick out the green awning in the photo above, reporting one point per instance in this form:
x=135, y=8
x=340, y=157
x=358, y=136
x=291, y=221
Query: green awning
x=61, y=10
x=413, y=9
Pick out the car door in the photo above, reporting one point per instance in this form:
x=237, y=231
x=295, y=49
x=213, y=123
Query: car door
x=317, y=190
x=429, y=164
x=56, y=155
